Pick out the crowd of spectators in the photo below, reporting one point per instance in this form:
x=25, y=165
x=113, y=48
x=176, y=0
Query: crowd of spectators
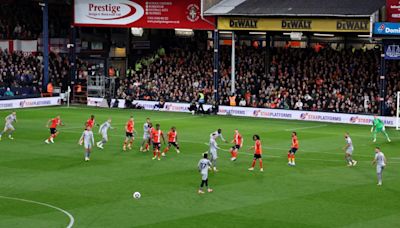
x=299, y=79
x=22, y=75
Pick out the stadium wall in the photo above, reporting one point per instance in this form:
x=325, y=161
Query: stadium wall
x=261, y=112
x=30, y=103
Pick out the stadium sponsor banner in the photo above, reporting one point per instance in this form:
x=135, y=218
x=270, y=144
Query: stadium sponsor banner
x=25, y=46
x=294, y=24
x=163, y=14
x=30, y=103
x=386, y=29
x=392, y=49
x=393, y=10
x=303, y=115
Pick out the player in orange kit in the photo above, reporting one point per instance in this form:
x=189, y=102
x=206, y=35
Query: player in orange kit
x=53, y=128
x=293, y=149
x=238, y=143
x=172, y=141
x=91, y=122
x=257, y=153
x=129, y=129
x=156, y=135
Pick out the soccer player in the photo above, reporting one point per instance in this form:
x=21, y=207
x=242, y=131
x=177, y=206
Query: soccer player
x=146, y=135
x=172, y=141
x=380, y=161
x=129, y=128
x=238, y=143
x=156, y=136
x=53, y=128
x=217, y=134
x=348, y=149
x=91, y=122
x=257, y=153
x=203, y=166
x=10, y=119
x=378, y=126
x=213, y=152
x=293, y=150
x=88, y=140
x=103, y=131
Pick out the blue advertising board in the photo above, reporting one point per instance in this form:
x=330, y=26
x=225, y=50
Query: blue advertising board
x=387, y=29
x=392, y=49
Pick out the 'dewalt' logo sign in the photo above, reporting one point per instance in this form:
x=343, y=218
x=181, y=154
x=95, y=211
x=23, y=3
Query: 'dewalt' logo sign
x=243, y=23
x=352, y=25
x=297, y=24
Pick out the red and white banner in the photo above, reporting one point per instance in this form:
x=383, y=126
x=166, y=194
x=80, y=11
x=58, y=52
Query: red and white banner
x=26, y=46
x=393, y=10
x=163, y=14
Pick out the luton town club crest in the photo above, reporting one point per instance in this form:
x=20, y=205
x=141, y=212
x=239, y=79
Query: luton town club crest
x=193, y=12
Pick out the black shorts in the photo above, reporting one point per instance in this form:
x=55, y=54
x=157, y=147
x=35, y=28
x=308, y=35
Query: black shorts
x=53, y=131
x=236, y=147
x=293, y=150
x=129, y=134
x=257, y=156
x=172, y=144
x=156, y=146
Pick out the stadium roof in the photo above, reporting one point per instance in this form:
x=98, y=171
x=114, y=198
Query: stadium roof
x=319, y=8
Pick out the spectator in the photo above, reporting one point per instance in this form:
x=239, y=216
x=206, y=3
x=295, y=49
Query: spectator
x=8, y=93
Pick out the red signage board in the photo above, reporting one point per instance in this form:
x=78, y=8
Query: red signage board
x=393, y=10
x=167, y=14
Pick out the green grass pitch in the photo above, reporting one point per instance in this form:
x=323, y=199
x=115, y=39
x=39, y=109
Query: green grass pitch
x=321, y=191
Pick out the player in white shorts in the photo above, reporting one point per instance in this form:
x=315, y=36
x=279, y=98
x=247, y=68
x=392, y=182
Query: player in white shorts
x=87, y=140
x=213, y=153
x=103, y=130
x=203, y=167
x=348, y=149
x=146, y=136
x=10, y=119
x=380, y=161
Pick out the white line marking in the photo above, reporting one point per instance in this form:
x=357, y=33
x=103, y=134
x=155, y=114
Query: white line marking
x=71, y=218
x=303, y=128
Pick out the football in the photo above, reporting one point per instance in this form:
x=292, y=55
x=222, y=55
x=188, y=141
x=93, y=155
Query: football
x=137, y=195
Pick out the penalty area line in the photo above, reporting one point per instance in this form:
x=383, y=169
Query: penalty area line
x=71, y=218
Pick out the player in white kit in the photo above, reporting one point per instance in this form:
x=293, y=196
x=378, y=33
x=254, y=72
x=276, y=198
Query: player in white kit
x=380, y=161
x=10, y=119
x=103, y=131
x=146, y=136
x=348, y=149
x=87, y=140
x=214, y=147
x=203, y=166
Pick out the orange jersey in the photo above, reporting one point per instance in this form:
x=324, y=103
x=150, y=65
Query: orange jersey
x=130, y=126
x=55, y=122
x=156, y=135
x=90, y=123
x=295, y=142
x=237, y=138
x=172, y=136
x=257, y=147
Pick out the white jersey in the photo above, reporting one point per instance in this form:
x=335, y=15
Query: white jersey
x=203, y=165
x=215, y=135
x=146, y=129
x=11, y=118
x=104, y=128
x=213, y=145
x=380, y=159
x=87, y=138
x=349, y=144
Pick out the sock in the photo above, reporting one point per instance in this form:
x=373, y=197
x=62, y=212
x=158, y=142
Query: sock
x=293, y=158
x=159, y=154
x=147, y=146
x=206, y=182
x=253, y=164
x=289, y=157
x=215, y=163
x=87, y=154
x=386, y=134
x=261, y=165
x=379, y=177
x=10, y=133
x=234, y=154
x=53, y=136
x=166, y=150
x=374, y=135
x=202, y=184
x=154, y=153
x=103, y=141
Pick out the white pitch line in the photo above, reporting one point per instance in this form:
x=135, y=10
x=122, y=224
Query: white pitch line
x=304, y=128
x=71, y=218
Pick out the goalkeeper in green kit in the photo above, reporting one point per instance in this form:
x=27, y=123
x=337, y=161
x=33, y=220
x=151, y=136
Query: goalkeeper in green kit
x=378, y=126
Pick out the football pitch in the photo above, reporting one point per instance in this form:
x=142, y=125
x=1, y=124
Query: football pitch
x=49, y=185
